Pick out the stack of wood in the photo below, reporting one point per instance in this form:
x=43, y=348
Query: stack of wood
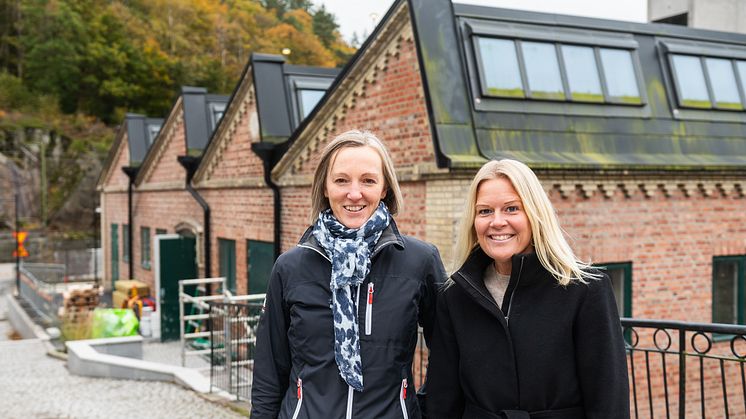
x=76, y=313
x=81, y=299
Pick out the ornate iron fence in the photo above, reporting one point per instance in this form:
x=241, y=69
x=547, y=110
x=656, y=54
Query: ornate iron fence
x=676, y=369
x=684, y=369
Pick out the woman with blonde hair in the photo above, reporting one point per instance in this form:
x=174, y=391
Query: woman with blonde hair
x=524, y=328
x=339, y=328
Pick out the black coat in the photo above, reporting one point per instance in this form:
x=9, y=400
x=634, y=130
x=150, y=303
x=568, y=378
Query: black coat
x=295, y=374
x=548, y=348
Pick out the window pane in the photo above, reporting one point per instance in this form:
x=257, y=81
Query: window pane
x=617, y=283
x=621, y=80
x=582, y=73
x=723, y=83
x=741, y=68
x=542, y=70
x=691, y=80
x=308, y=100
x=500, y=67
x=724, y=292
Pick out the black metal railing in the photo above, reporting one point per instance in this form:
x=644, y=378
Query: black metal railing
x=684, y=369
x=232, y=342
x=676, y=369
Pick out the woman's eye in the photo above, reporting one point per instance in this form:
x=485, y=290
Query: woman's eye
x=340, y=180
x=370, y=181
x=512, y=208
x=484, y=211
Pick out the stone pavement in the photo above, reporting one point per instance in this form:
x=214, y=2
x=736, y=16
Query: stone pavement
x=35, y=385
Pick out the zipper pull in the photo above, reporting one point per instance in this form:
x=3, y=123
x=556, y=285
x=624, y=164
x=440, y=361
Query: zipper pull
x=370, y=293
x=300, y=390
x=404, y=389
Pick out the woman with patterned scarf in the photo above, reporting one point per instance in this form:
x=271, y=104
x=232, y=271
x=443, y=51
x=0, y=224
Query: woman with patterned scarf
x=339, y=328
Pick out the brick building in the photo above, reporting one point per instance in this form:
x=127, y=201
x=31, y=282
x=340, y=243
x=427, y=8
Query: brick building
x=636, y=131
x=645, y=170
x=198, y=182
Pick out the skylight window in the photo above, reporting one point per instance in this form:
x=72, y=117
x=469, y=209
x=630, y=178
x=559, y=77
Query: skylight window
x=557, y=71
x=582, y=73
x=707, y=76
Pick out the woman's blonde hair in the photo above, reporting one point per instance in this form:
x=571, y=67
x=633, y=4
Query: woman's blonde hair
x=550, y=245
x=354, y=138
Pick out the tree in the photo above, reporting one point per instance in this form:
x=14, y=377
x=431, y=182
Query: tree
x=325, y=26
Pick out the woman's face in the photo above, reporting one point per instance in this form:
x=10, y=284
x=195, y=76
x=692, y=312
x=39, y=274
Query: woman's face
x=501, y=223
x=355, y=185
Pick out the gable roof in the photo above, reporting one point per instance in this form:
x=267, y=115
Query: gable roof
x=471, y=125
x=137, y=133
x=201, y=112
x=361, y=69
x=276, y=88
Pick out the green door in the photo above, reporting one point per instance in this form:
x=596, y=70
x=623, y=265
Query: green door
x=114, y=254
x=177, y=261
x=259, y=261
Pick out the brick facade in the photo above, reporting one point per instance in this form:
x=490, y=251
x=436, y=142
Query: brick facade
x=669, y=229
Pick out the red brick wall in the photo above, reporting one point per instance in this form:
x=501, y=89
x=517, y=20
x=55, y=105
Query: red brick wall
x=113, y=211
x=392, y=107
x=669, y=240
x=240, y=215
x=167, y=168
x=114, y=208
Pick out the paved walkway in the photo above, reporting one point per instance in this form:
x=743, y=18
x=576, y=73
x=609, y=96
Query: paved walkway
x=35, y=385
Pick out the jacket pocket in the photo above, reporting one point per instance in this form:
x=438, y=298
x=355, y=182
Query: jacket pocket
x=403, y=398
x=300, y=398
x=369, y=310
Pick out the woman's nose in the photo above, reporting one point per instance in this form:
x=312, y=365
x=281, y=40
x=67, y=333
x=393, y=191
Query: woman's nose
x=354, y=192
x=497, y=220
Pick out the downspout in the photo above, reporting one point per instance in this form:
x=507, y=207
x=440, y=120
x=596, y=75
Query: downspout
x=131, y=173
x=270, y=153
x=190, y=164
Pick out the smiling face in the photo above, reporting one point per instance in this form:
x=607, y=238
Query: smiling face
x=501, y=222
x=355, y=185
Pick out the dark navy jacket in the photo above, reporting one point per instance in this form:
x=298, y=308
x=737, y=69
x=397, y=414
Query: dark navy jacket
x=548, y=351
x=295, y=375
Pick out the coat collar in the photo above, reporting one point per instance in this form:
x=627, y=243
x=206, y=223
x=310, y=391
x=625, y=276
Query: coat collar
x=526, y=271
x=527, y=265
x=389, y=236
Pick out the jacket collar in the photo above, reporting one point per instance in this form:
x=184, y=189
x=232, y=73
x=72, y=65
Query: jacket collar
x=527, y=265
x=526, y=270
x=389, y=236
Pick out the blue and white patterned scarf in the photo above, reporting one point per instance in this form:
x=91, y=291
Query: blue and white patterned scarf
x=349, y=251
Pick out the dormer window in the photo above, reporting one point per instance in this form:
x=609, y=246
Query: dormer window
x=308, y=99
x=707, y=76
x=528, y=69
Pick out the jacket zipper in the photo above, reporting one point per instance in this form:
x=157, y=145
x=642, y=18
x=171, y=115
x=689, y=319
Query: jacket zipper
x=403, y=398
x=300, y=398
x=350, y=393
x=369, y=310
x=510, y=300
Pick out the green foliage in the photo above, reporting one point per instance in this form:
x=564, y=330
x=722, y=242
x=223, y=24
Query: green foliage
x=105, y=58
x=71, y=69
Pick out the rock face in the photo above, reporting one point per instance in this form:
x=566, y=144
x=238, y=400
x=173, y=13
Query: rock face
x=15, y=180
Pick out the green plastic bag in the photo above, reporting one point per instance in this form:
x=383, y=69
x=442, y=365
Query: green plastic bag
x=113, y=322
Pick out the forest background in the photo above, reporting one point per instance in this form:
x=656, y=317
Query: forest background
x=71, y=69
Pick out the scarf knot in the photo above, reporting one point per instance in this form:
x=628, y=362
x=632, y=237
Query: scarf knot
x=349, y=250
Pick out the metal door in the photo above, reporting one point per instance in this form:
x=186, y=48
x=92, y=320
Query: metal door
x=259, y=260
x=176, y=260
